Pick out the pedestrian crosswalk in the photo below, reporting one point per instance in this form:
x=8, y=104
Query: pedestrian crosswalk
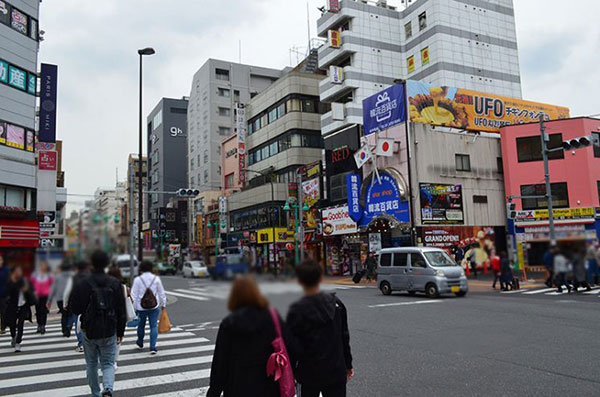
x=595, y=291
x=48, y=365
x=206, y=292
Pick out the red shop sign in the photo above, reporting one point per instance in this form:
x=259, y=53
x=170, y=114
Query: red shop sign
x=20, y=233
x=47, y=160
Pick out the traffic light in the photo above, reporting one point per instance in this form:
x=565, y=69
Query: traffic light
x=511, y=212
x=188, y=192
x=580, y=142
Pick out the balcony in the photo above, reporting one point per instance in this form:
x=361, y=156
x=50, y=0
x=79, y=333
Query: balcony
x=330, y=92
x=329, y=20
x=352, y=115
x=330, y=56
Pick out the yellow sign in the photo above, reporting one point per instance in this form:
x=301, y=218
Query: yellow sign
x=425, y=56
x=265, y=236
x=335, y=38
x=583, y=212
x=472, y=110
x=411, y=63
x=521, y=255
x=199, y=229
x=314, y=170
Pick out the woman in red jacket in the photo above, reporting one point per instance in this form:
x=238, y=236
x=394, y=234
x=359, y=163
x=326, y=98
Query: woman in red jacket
x=496, y=269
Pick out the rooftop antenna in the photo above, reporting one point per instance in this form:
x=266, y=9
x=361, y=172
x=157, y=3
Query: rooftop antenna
x=406, y=3
x=308, y=27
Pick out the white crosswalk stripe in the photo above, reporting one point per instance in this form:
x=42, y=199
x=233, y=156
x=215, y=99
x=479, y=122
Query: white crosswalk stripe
x=48, y=365
x=554, y=291
x=221, y=290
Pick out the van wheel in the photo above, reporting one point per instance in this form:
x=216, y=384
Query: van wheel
x=385, y=288
x=460, y=294
x=431, y=290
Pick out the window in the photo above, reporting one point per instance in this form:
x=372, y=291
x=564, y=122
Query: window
x=463, y=162
x=400, y=259
x=157, y=120
x=178, y=110
x=236, y=95
x=205, y=156
x=229, y=180
x=530, y=148
x=205, y=176
x=272, y=115
x=224, y=130
x=408, y=30
x=192, y=162
x=308, y=106
x=477, y=199
x=294, y=105
x=500, y=165
x=337, y=186
x=192, y=184
x=222, y=74
x=14, y=197
x=417, y=260
x=596, y=137
x=423, y=21
x=273, y=149
x=155, y=157
x=250, y=128
x=154, y=198
x=226, y=112
x=224, y=92
x=265, y=152
x=560, y=196
x=385, y=260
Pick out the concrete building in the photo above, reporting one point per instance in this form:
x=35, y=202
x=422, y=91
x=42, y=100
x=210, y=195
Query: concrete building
x=216, y=87
x=283, y=136
x=468, y=45
x=167, y=148
x=230, y=166
x=18, y=87
x=575, y=186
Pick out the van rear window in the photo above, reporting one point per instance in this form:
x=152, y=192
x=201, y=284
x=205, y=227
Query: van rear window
x=385, y=260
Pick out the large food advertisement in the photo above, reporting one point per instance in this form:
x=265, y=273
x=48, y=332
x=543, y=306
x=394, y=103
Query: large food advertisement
x=472, y=110
x=441, y=204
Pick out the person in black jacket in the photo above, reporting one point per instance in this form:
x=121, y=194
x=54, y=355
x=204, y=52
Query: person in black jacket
x=319, y=326
x=244, y=345
x=18, y=309
x=99, y=300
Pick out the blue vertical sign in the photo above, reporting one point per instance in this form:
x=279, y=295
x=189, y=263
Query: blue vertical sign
x=384, y=198
x=48, y=86
x=353, y=187
x=385, y=109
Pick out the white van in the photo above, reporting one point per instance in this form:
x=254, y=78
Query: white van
x=420, y=269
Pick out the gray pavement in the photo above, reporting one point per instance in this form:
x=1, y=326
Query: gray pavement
x=488, y=343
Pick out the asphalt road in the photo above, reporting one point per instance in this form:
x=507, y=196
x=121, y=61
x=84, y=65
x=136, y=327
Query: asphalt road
x=487, y=343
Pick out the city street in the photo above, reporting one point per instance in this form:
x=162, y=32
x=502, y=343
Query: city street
x=527, y=342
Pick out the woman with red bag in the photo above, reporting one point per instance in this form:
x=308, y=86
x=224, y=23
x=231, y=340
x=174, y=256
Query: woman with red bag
x=250, y=357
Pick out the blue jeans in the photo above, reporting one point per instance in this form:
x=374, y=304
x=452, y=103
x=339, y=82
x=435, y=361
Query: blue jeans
x=592, y=270
x=102, y=351
x=152, y=316
x=72, y=323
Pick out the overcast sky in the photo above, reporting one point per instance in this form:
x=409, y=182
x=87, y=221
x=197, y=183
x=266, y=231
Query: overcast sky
x=95, y=46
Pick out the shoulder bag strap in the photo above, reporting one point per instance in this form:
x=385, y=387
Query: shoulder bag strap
x=275, y=318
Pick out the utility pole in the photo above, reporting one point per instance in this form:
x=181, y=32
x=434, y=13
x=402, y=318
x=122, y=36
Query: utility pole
x=545, y=139
x=131, y=226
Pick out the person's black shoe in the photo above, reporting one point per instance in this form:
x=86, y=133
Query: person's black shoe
x=43, y=331
x=559, y=290
x=107, y=393
x=588, y=288
x=39, y=329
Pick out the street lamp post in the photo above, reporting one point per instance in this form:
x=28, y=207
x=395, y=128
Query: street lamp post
x=272, y=209
x=216, y=226
x=141, y=52
x=296, y=208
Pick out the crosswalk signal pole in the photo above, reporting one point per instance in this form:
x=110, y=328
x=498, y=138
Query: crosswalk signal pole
x=547, y=180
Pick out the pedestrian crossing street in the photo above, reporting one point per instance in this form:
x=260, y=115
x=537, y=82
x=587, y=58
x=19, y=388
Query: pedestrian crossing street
x=207, y=292
x=48, y=365
x=553, y=292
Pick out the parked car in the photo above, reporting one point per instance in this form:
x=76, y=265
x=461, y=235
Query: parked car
x=165, y=268
x=195, y=269
x=123, y=262
x=420, y=269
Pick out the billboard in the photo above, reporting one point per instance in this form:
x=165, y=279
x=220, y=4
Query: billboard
x=472, y=110
x=385, y=109
x=441, y=204
x=337, y=221
x=47, y=160
x=240, y=118
x=48, y=84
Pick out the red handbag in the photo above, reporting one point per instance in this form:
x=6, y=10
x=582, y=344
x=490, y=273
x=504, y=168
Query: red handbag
x=278, y=364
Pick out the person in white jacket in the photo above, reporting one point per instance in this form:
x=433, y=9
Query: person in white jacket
x=151, y=282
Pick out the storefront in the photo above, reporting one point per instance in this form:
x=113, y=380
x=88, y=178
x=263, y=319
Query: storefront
x=272, y=248
x=342, y=242
x=572, y=227
x=19, y=239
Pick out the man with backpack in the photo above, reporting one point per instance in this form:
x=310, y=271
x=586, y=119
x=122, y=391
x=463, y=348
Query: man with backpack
x=99, y=300
x=148, y=297
x=319, y=325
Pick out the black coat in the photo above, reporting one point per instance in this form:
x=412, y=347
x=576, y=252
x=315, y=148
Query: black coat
x=80, y=299
x=239, y=366
x=319, y=327
x=12, y=294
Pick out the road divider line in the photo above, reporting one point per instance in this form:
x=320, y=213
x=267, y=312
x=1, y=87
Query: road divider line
x=407, y=303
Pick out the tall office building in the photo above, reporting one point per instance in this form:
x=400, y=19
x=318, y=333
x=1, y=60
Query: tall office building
x=216, y=87
x=466, y=44
x=19, y=46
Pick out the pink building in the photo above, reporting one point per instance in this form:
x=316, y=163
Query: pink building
x=575, y=179
x=230, y=165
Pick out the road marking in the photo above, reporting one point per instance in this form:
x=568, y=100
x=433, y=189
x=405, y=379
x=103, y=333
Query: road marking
x=406, y=303
x=198, y=298
x=539, y=291
x=81, y=361
x=515, y=291
x=126, y=347
x=195, y=293
x=123, y=385
x=593, y=292
x=125, y=369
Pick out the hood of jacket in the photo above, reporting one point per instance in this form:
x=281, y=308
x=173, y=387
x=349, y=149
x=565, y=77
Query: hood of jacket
x=248, y=320
x=317, y=309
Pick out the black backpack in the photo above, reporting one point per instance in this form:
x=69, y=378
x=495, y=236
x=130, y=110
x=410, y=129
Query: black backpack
x=100, y=318
x=148, y=300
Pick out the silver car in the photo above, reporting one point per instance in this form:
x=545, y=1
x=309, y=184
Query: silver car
x=420, y=269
